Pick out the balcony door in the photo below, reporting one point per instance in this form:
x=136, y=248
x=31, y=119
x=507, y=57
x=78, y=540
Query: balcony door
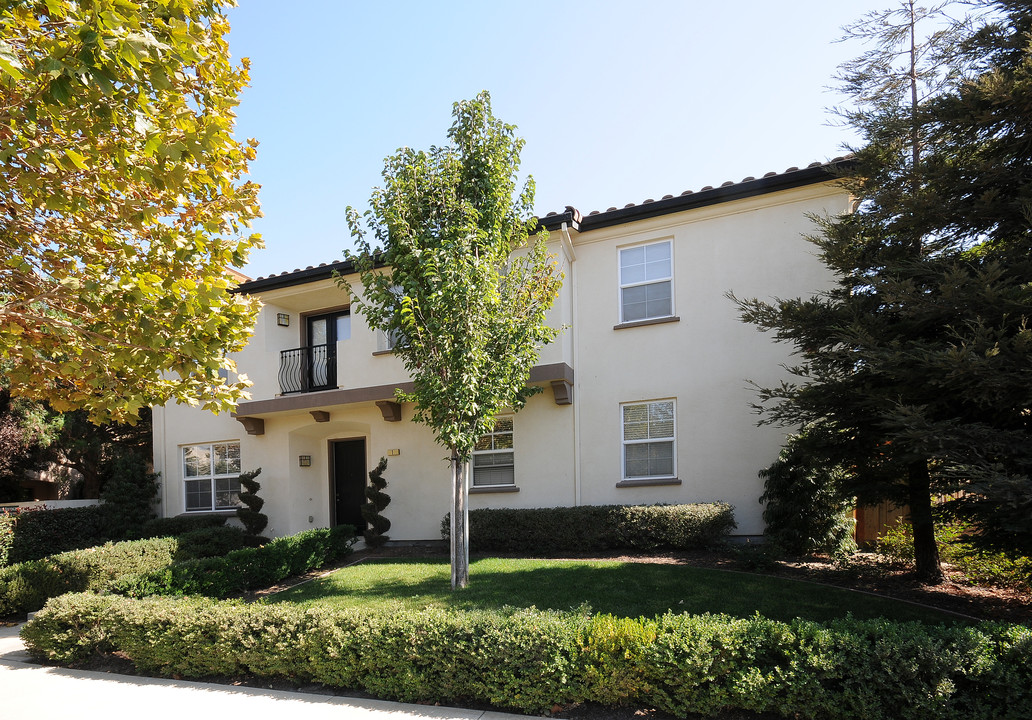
x=323, y=333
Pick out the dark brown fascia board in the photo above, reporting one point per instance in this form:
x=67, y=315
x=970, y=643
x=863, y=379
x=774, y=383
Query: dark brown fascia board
x=301, y=277
x=312, y=274
x=299, y=402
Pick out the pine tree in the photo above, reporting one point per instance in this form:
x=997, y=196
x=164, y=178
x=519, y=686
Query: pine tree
x=376, y=501
x=915, y=366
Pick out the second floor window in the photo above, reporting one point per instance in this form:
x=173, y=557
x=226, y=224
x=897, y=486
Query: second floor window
x=646, y=282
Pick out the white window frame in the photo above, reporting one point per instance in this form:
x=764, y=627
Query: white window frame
x=644, y=283
x=496, y=451
x=387, y=341
x=649, y=440
x=212, y=476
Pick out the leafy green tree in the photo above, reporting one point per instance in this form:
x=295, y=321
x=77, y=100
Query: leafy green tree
x=122, y=204
x=457, y=284
x=90, y=449
x=915, y=365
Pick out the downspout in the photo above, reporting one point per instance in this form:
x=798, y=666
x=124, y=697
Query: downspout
x=568, y=251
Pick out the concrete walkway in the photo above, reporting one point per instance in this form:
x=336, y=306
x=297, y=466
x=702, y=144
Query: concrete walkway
x=34, y=691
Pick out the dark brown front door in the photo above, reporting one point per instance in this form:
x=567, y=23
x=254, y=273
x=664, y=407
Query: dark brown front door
x=348, y=482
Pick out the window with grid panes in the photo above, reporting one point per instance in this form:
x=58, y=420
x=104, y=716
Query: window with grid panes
x=493, y=456
x=649, y=440
x=212, y=476
x=646, y=282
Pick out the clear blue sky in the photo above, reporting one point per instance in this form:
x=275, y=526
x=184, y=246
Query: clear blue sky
x=617, y=101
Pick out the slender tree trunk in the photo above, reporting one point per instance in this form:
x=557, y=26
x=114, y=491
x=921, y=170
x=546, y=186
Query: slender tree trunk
x=926, y=552
x=459, y=525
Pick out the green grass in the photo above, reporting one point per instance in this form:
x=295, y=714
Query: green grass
x=622, y=589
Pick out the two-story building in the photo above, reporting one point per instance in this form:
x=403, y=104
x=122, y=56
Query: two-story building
x=646, y=396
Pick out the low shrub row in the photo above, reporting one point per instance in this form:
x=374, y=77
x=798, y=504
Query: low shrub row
x=591, y=528
x=980, y=566
x=244, y=569
x=26, y=586
x=530, y=660
x=179, y=525
x=33, y=533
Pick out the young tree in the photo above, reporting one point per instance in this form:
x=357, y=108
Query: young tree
x=121, y=205
x=912, y=365
x=455, y=282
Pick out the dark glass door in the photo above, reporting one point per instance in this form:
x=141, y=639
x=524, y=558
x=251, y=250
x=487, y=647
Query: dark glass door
x=348, y=482
x=323, y=333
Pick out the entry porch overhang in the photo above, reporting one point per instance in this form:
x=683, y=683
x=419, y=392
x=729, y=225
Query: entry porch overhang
x=252, y=414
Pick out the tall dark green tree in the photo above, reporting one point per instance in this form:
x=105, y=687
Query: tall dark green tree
x=914, y=367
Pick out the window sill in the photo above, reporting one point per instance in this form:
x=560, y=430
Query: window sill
x=650, y=321
x=648, y=482
x=489, y=489
x=382, y=352
x=220, y=512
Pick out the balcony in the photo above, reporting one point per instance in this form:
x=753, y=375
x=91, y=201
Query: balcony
x=308, y=369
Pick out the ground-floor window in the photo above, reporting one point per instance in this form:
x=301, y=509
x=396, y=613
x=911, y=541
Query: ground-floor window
x=493, y=456
x=212, y=476
x=649, y=440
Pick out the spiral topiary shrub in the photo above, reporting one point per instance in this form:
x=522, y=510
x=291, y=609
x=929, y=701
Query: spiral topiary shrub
x=250, y=515
x=376, y=501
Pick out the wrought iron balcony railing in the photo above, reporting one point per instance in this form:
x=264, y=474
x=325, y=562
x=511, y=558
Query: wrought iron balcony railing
x=307, y=369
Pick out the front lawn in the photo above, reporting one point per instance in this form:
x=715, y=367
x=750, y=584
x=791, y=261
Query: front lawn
x=622, y=589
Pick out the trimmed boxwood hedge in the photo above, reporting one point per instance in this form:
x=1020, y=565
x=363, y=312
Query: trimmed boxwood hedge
x=242, y=570
x=33, y=533
x=169, y=566
x=26, y=586
x=590, y=528
x=530, y=660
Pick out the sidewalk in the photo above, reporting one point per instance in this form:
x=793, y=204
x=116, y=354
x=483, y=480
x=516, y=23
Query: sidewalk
x=33, y=691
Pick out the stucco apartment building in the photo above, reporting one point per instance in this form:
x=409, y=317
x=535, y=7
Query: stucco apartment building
x=645, y=399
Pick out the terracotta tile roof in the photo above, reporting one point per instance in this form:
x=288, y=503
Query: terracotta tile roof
x=815, y=172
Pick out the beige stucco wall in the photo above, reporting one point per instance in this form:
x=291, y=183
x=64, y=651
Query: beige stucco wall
x=297, y=498
x=754, y=247
x=565, y=454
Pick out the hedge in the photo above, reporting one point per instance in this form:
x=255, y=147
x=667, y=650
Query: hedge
x=242, y=570
x=26, y=586
x=33, y=533
x=590, y=528
x=531, y=660
x=179, y=525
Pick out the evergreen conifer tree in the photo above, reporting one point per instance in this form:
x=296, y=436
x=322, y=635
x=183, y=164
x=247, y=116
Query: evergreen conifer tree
x=914, y=373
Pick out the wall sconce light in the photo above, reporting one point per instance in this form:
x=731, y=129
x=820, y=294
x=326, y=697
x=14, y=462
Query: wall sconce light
x=283, y=319
x=304, y=460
